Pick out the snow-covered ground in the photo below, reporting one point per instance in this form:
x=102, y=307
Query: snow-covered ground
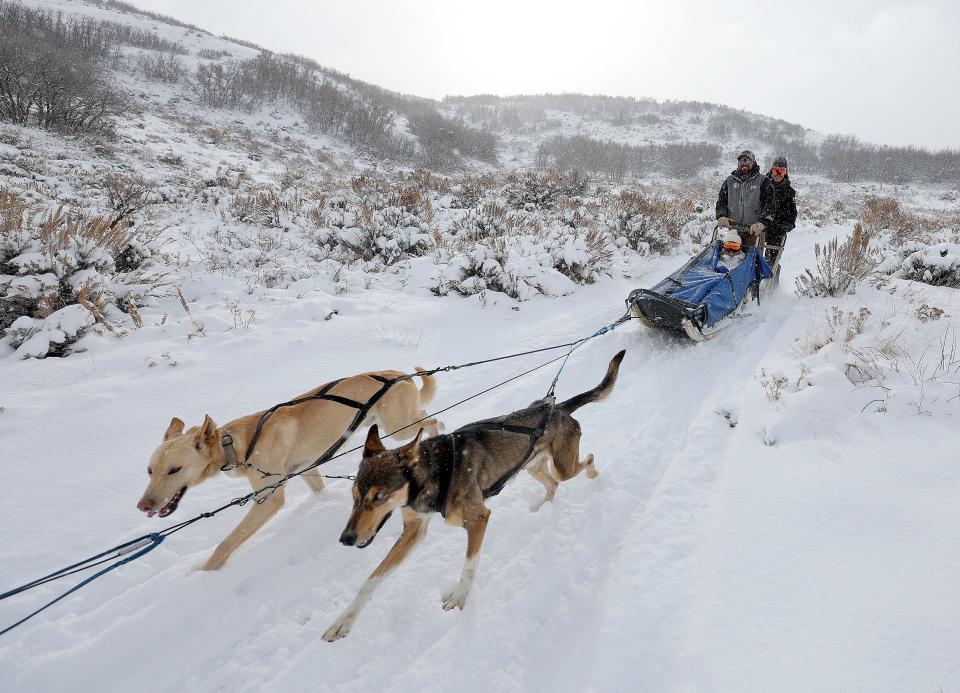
x=808, y=548
x=776, y=508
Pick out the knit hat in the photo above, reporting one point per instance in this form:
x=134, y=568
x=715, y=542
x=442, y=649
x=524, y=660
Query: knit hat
x=733, y=238
x=780, y=161
x=747, y=154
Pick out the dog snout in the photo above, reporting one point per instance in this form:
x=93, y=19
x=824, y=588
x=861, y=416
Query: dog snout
x=348, y=538
x=145, y=505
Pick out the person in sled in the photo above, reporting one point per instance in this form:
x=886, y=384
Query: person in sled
x=730, y=253
x=747, y=200
x=785, y=218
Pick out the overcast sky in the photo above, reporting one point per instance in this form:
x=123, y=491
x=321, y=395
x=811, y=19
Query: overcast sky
x=883, y=70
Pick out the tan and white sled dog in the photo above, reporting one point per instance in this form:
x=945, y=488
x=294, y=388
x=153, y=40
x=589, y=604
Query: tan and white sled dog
x=452, y=474
x=291, y=438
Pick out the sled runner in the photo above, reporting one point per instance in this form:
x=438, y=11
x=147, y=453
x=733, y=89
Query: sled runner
x=696, y=299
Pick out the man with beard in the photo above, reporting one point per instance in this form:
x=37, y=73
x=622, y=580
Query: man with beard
x=746, y=200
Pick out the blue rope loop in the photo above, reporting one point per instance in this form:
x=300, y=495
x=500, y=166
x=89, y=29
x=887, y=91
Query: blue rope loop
x=132, y=550
x=120, y=550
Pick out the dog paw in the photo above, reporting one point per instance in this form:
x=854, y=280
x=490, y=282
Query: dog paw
x=455, y=599
x=213, y=563
x=535, y=508
x=592, y=472
x=339, y=629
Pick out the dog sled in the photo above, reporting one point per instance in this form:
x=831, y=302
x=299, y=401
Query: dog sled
x=700, y=298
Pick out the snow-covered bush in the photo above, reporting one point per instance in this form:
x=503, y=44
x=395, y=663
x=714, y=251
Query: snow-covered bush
x=543, y=191
x=484, y=267
x=386, y=235
x=59, y=276
x=259, y=207
x=583, y=255
x=647, y=224
x=938, y=265
x=259, y=255
x=490, y=220
x=469, y=191
x=839, y=266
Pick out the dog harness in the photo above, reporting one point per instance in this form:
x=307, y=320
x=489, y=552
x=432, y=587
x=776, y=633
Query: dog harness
x=363, y=408
x=472, y=430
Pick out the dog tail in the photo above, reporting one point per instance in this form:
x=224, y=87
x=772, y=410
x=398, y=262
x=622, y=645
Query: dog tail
x=429, y=388
x=600, y=391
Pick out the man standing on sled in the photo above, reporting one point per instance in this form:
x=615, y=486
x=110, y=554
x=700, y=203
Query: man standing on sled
x=747, y=200
x=786, y=215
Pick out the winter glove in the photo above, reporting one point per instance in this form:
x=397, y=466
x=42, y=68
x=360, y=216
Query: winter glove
x=755, y=229
x=724, y=222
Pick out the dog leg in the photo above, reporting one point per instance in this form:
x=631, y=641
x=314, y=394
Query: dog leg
x=541, y=472
x=314, y=480
x=414, y=529
x=431, y=426
x=255, y=518
x=587, y=464
x=475, y=527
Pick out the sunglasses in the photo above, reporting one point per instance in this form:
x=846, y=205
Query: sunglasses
x=744, y=161
x=779, y=170
x=731, y=246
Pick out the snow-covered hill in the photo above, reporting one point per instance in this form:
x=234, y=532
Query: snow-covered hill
x=775, y=509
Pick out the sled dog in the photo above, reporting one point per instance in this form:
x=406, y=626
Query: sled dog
x=291, y=438
x=452, y=474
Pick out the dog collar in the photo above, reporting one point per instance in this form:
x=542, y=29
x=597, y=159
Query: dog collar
x=226, y=441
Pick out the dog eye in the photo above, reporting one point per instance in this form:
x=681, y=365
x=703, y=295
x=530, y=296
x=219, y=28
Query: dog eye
x=379, y=496
x=149, y=471
x=174, y=470
x=196, y=446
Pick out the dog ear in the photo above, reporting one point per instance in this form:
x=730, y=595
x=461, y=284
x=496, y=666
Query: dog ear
x=174, y=429
x=208, y=431
x=373, y=444
x=412, y=449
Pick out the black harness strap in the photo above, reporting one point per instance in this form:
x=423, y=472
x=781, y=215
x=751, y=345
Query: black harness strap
x=363, y=408
x=535, y=435
x=470, y=430
x=362, y=411
x=269, y=412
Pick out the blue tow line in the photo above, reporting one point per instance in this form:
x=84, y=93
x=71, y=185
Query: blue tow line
x=603, y=330
x=139, y=546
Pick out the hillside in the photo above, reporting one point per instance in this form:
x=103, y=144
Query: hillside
x=201, y=227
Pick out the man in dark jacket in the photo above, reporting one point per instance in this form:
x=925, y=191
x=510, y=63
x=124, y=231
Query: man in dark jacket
x=746, y=200
x=786, y=216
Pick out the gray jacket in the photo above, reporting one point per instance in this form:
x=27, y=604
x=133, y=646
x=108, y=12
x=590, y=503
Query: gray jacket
x=748, y=201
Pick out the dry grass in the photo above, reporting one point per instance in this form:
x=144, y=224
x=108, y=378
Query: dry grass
x=60, y=227
x=885, y=214
x=656, y=221
x=839, y=266
x=260, y=207
x=13, y=211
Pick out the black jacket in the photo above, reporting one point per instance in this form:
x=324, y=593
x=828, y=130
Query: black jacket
x=786, y=216
x=768, y=202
